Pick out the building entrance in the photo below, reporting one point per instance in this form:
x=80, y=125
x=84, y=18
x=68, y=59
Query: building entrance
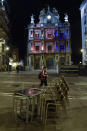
x=37, y=63
x=62, y=60
x=50, y=63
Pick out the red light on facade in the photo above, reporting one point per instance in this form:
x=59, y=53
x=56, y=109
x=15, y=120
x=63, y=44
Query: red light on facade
x=42, y=48
x=31, y=33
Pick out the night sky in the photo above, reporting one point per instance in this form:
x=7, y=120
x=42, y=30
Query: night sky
x=19, y=17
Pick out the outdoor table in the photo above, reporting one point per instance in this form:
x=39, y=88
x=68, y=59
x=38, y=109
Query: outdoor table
x=31, y=105
x=30, y=92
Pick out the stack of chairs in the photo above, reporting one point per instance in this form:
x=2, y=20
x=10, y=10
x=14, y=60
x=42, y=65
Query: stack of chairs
x=23, y=107
x=64, y=87
x=45, y=96
x=50, y=102
x=53, y=99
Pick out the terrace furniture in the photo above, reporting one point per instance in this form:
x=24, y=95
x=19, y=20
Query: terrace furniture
x=24, y=103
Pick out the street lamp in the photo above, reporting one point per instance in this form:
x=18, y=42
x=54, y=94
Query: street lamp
x=7, y=48
x=81, y=50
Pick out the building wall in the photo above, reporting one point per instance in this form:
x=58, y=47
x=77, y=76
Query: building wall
x=48, y=42
x=83, y=10
x=2, y=55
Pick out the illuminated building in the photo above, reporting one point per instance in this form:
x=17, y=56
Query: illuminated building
x=83, y=9
x=2, y=54
x=48, y=41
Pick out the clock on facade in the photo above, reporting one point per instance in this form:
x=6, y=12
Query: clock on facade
x=49, y=17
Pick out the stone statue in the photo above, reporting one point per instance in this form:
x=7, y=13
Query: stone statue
x=42, y=12
x=66, y=18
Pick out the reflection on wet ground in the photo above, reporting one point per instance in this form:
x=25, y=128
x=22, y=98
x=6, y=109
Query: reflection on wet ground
x=54, y=121
x=73, y=116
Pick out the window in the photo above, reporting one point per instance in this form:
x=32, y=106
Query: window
x=56, y=57
x=85, y=44
x=61, y=47
x=67, y=46
x=2, y=47
x=31, y=33
x=84, y=20
x=37, y=48
x=32, y=47
x=85, y=30
x=85, y=52
x=42, y=34
x=37, y=35
x=49, y=33
x=84, y=10
x=56, y=46
x=56, y=33
x=49, y=48
x=42, y=57
x=49, y=36
x=61, y=35
x=67, y=32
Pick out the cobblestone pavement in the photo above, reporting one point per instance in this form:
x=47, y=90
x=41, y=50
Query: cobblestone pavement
x=74, y=118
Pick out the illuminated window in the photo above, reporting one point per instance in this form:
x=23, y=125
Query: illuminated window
x=61, y=47
x=31, y=33
x=49, y=36
x=42, y=33
x=49, y=48
x=37, y=48
x=42, y=57
x=56, y=47
x=61, y=36
x=86, y=51
x=67, y=33
x=84, y=20
x=42, y=48
x=37, y=35
x=84, y=10
x=85, y=30
x=67, y=46
x=56, y=33
x=56, y=57
x=85, y=44
x=2, y=47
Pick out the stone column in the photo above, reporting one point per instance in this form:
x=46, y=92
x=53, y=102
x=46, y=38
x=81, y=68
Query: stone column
x=29, y=63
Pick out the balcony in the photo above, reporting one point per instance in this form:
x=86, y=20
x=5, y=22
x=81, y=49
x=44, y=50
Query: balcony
x=38, y=38
x=36, y=52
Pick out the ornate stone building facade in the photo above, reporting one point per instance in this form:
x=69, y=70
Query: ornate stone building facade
x=3, y=37
x=48, y=41
x=83, y=9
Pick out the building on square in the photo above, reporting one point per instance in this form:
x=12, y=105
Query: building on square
x=83, y=9
x=49, y=41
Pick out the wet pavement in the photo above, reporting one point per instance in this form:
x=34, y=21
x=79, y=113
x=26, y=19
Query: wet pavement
x=73, y=118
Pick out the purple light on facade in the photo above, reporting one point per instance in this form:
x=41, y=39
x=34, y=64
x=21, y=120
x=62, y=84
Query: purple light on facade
x=67, y=46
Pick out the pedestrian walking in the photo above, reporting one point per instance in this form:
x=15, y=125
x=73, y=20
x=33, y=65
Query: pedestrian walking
x=43, y=77
x=17, y=69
